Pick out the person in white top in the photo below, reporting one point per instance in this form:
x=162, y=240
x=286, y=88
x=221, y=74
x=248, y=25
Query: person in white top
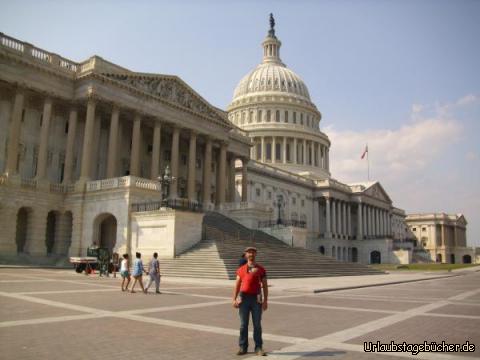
x=124, y=272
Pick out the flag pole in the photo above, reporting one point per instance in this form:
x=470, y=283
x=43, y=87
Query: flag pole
x=368, y=164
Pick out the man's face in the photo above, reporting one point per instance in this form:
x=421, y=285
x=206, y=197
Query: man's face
x=250, y=255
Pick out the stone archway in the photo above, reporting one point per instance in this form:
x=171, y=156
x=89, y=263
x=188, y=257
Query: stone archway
x=51, y=235
x=105, y=231
x=452, y=258
x=467, y=259
x=22, y=233
x=439, y=258
x=375, y=257
x=321, y=249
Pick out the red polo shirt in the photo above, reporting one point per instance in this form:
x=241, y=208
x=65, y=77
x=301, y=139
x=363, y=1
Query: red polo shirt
x=251, y=278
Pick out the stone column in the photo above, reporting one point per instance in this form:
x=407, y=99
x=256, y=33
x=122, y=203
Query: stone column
x=207, y=172
x=70, y=147
x=244, y=180
x=319, y=155
x=44, y=132
x=359, y=222
x=231, y=179
x=444, y=237
x=112, y=159
x=334, y=217
x=371, y=218
x=136, y=140
x=328, y=219
x=295, y=146
x=304, y=152
x=349, y=221
x=344, y=219
x=155, y=167
x=327, y=158
x=88, y=140
x=377, y=219
x=192, y=158
x=262, y=155
x=315, y=216
x=284, y=155
x=14, y=133
x=312, y=153
x=274, y=148
x=174, y=162
x=222, y=171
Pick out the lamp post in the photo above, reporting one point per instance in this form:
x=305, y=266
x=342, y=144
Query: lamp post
x=165, y=180
x=279, y=203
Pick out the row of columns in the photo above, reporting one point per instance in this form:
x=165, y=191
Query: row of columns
x=113, y=144
x=338, y=218
x=316, y=150
x=371, y=221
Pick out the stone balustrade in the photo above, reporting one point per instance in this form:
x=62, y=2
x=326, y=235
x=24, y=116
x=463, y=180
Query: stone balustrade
x=29, y=51
x=261, y=166
x=245, y=205
x=121, y=182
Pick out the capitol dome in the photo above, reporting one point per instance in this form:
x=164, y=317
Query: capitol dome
x=272, y=104
x=272, y=77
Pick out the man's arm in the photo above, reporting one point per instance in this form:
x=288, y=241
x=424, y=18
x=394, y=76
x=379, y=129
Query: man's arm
x=236, y=290
x=265, y=293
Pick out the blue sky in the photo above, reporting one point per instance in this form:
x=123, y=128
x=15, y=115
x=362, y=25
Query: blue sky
x=402, y=75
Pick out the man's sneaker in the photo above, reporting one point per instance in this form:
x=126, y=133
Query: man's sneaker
x=259, y=351
x=241, y=351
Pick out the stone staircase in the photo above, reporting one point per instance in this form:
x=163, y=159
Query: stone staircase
x=224, y=240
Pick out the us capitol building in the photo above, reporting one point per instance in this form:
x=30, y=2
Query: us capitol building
x=82, y=147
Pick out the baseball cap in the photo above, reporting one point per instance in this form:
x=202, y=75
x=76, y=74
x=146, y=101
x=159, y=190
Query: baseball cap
x=250, y=248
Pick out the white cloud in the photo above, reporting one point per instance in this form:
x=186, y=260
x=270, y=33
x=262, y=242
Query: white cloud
x=392, y=153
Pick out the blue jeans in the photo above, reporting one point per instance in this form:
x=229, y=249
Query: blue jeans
x=249, y=305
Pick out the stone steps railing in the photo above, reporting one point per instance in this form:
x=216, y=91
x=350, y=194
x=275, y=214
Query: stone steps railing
x=123, y=182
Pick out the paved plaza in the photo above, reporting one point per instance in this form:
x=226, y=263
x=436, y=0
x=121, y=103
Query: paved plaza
x=58, y=314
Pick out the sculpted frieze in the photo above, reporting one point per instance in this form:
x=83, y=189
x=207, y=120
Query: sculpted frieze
x=167, y=89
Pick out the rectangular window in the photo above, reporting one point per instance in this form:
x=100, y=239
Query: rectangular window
x=301, y=119
x=269, y=195
x=277, y=116
x=269, y=115
x=303, y=203
x=278, y=150
x=250, y=117
x=286, y=117
x=269, y=152
x=294, y=201
x=259, y=116
x=294, y=117
x=257, y=192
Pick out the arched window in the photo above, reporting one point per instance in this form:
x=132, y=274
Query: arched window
x=277, y=116
x=259, y=116
x=294, y=117
x=269, y=115
x=286, y=116
x=250, y=117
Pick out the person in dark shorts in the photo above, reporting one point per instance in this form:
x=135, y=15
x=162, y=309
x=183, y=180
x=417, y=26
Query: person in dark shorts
x=251, y=278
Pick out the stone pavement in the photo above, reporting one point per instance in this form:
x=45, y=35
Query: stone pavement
x=58, y=314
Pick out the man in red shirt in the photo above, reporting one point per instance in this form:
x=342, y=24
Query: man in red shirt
x=247, y=297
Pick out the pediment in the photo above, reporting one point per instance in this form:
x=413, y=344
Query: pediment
x=171, y=89
x=376, y=191
x=461, y=220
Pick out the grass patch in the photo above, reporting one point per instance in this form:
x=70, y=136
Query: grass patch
x=422, y=267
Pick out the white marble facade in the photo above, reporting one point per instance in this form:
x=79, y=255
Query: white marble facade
x=81, y=142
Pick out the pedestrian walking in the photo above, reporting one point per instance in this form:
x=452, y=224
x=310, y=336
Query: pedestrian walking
x=138, y=272
x=251, y=278
x=154, y=274
x=124, y=272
